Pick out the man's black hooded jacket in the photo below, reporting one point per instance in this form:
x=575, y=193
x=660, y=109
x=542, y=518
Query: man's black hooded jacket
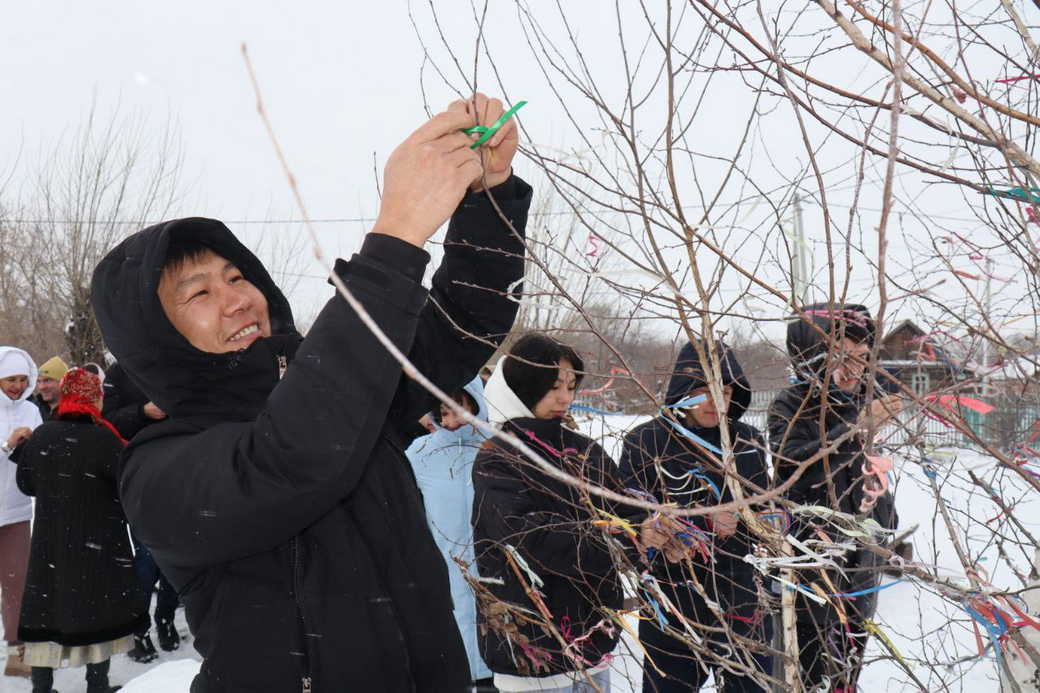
x=283, y=509
x=659, y=459
x=805, y=420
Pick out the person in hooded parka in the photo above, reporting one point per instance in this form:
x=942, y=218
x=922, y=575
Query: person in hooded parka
x=276, y=496
x=81, y=603
x=822, y=417
x=443, y=465
x=660, y=459
x=18, y=417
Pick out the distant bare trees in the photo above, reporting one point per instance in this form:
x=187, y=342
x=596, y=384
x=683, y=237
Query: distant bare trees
x=103, y=180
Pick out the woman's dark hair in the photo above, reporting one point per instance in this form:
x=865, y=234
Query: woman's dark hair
x=529, y=381
x=461, y=398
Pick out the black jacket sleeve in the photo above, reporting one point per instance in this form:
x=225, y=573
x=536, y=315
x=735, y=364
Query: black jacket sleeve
x=793, y=435
x=24, y=475
x=794, y=438
x=468, y=313
x=637, y=467
x=123, y=404
x=203, y=498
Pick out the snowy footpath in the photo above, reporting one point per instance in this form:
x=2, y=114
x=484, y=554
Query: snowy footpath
x=171, y=673
x=934, y=636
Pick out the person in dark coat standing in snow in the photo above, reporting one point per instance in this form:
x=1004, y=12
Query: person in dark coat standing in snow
x=659, y=458
x=81, y=604
x=520, y=511
x=820, y=420
x=276, y=496
x=130, y=411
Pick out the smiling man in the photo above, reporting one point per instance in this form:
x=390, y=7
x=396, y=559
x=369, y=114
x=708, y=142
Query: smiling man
x=276, y=496
x=817, y=430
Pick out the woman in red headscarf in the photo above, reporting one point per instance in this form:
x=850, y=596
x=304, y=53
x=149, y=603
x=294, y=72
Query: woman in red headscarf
x=81, y=604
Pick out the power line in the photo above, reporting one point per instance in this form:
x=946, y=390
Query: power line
x=124, y=222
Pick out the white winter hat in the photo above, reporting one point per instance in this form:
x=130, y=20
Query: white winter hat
x=15, y=362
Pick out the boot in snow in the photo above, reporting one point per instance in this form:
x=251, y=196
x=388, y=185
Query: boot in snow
x=169, y=638
x=144, y=650
x=42, y=680
x=97, y=678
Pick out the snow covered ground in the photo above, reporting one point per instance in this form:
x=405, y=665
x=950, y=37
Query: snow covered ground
x=171, y=673
x=928, y=631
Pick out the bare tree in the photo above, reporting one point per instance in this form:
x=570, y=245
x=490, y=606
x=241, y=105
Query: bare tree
x=880, y=153
x=104, y=180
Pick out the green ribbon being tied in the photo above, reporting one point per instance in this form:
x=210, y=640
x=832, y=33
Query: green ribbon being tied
x=488, y=132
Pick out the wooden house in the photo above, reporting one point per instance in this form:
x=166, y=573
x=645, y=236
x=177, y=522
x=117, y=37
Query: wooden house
x=922, y=365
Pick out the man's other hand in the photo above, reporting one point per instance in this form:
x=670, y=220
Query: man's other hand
x=724, y=524
x=153, y=412
x=426, y=177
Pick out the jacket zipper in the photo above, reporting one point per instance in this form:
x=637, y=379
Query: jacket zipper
x=295, y=552
x=392, y=442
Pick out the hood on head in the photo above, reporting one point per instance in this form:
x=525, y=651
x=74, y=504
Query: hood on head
x=502, y=403
x=181, y=379
x=475, y=389
x=689, y=374
x=15, y=361
x=807, y=344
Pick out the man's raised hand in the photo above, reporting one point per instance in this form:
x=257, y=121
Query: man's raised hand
x=426, y=177
x=498, y=152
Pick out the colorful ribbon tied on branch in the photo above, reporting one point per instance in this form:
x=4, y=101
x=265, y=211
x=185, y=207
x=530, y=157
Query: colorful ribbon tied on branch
x=489, y=131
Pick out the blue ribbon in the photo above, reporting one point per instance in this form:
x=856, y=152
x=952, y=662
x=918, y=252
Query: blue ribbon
x=991, y=629
x=869, y=590
x=662, y=620
x=692, y=436
x=848, y=595
x=688, y=402
x=582, y=407
x=704, y=477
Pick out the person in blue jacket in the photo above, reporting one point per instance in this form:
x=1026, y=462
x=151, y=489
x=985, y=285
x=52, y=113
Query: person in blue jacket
x=443, y=465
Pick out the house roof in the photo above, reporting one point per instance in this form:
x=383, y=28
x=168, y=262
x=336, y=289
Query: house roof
x=906, y=325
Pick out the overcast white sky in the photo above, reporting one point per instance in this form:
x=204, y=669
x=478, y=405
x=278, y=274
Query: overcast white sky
x=341, y=83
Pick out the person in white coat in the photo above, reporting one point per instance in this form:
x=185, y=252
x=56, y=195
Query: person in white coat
x=18, y=417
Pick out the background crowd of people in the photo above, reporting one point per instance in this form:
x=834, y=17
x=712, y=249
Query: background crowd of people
x=75, y=593
x=522, y=516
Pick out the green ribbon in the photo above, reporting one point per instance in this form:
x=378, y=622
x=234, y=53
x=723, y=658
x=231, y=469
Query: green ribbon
x=487, y=133
x=1022, y=195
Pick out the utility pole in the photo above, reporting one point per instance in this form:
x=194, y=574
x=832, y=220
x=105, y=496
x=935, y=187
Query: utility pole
x=988, y=303
x=799, y=278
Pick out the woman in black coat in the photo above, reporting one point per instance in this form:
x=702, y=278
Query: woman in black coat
x=522, y=517
x=81, y=603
